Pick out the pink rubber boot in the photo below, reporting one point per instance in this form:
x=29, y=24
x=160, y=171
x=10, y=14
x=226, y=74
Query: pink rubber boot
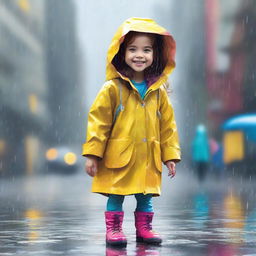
x=114, y=234
x=144, y=232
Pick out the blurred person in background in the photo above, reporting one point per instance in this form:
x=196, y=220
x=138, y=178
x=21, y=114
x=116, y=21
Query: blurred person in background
x=201, y=151
x=131, y=127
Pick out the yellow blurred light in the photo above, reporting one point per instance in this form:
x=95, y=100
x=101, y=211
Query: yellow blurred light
x=33, y=214
x=233, y=143
x=31, y=147
x=24, y=5
x=2, y=147
x=70, y=158
x=234, y=212
x=33, y=235
x=34, y=223
x=33, y=103
x=51, y=154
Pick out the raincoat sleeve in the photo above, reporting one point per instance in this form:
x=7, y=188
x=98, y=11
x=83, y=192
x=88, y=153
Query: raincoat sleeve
x=100, y=120
x=170, y=148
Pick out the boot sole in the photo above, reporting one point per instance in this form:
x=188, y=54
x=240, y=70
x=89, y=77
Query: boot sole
x=148, y=240
x=116, y=243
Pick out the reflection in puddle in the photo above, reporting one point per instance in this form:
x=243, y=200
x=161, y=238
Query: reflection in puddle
x=140, y=250
x=144, y=249
x=116, y=251
x=234, y=212
x=218, y=221
x=235, y=218
x=33, y=218
x=222, y=250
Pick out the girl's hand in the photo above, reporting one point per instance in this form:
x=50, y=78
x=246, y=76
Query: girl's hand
x=171, y=167
x=91, y=165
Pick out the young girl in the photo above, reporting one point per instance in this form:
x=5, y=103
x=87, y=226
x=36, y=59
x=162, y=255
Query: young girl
x=131, y=126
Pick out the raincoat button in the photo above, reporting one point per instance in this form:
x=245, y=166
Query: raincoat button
x=143, y=104
x=144, y=139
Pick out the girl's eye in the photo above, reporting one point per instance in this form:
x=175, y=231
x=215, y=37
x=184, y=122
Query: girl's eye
x=132, y=49
x=147, y=50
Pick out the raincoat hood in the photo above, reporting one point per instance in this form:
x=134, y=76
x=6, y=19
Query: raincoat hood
x=145, y=26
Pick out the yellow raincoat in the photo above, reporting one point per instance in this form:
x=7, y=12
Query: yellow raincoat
x=133, y=146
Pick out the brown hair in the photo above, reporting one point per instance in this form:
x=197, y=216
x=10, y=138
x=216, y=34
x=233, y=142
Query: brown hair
x=159, y=59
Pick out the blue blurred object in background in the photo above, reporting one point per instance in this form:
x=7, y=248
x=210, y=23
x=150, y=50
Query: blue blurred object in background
x=246, y=123
x=200, y=145
x=201, y=151
x=239, y=142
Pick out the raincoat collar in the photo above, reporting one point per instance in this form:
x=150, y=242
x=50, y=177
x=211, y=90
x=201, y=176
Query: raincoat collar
x=147, y=26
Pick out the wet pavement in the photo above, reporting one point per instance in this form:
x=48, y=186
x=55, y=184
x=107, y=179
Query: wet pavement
x=57, y=215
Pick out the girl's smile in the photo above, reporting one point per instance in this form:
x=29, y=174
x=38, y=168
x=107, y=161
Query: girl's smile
x=138, y=64
x=139, y=54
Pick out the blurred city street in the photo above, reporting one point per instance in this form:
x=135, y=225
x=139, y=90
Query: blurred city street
x=57, y=215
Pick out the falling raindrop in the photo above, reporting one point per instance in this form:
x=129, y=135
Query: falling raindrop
x=246, y=19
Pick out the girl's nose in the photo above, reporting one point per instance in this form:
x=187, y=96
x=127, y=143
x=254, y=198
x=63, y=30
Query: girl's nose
x=139, y=54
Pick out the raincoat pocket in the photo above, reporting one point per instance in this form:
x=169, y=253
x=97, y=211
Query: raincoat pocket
x=157, y=155
x=118, y=152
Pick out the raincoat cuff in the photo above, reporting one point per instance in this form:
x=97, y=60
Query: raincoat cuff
x=171, y=154
x=94, y=148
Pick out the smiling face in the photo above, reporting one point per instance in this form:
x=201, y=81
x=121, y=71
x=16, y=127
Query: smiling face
x=139, y=55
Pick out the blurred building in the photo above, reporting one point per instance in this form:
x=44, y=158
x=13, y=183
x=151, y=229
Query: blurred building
x=185, y=21
x=230, y=54
x=23, y=87
x=66, y=124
